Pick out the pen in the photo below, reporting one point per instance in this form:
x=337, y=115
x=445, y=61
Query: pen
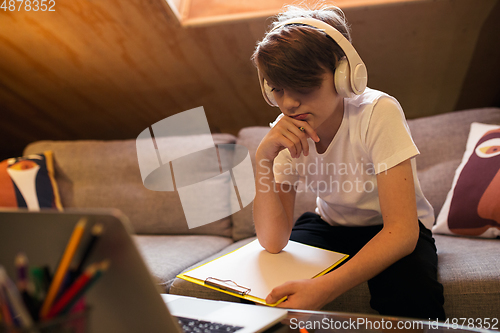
x=68, y=255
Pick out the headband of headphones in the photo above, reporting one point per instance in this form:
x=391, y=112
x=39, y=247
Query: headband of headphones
x=356, y=73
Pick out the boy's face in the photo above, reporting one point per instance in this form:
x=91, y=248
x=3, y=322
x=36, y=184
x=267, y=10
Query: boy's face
x=317, y=106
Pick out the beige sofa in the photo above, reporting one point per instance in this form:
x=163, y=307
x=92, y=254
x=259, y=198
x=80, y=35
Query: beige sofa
x=106, y=174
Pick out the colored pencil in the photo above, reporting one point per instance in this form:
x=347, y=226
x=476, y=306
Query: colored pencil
x=95, y=232
x=78, y=289
x=62, y=269
x=72, y=291
x=103, y=267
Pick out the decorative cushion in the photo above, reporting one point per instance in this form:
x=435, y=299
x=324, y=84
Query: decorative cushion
x=28, y=182
x=472, y=207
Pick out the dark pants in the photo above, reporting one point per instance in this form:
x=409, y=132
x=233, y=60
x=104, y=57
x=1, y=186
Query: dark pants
x=408, y=288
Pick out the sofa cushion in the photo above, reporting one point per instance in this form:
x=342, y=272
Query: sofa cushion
x=472, y=206
x=167, y=256
x=28, y=182
x=105, y=174
x=469, y=271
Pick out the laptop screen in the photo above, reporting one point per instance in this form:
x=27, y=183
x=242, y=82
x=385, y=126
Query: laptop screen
x=124, y=299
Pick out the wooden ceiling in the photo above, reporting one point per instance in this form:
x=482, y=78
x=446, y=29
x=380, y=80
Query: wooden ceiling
x=107, y=69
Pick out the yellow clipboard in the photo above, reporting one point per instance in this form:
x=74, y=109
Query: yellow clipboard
x=250, y=272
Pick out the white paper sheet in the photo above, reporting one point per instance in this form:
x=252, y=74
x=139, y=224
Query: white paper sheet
x=251, y=266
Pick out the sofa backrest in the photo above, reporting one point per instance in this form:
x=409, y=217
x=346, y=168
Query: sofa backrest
x=105, y=174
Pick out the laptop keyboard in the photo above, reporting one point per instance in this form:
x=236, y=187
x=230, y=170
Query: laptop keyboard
x=189, y=325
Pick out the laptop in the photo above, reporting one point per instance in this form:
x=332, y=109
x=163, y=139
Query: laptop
x=125, y=298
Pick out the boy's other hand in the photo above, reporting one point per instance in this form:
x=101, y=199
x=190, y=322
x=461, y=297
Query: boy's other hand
x=288, y=133
x=301, y=294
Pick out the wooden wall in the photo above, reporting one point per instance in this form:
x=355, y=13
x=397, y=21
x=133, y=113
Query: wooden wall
x=107, y=69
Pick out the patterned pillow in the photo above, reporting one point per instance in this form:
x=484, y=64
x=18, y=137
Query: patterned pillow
x=28, y=182
x=472, y=207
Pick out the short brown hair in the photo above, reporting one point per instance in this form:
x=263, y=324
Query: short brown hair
x=295, y=56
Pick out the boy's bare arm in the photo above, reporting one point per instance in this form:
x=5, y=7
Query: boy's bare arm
x=274, y=205
x=396, y=240
x=273, y=208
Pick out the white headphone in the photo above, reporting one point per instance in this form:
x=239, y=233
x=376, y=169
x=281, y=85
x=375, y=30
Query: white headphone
x=350, y=75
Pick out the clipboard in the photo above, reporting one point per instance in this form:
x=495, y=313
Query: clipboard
x=250, y=272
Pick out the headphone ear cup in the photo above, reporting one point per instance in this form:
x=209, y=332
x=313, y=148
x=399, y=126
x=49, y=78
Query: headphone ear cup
x=342, y=79
x=268, y=94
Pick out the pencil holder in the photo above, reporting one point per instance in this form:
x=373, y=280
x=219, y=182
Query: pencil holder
x=77, y=322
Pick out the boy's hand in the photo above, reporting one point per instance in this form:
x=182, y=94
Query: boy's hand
x=287, y=133
x=302, y=294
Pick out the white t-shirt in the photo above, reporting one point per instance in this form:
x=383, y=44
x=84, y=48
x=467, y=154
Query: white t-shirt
x=372, y=138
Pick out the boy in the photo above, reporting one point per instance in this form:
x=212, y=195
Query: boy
x=369, y=201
